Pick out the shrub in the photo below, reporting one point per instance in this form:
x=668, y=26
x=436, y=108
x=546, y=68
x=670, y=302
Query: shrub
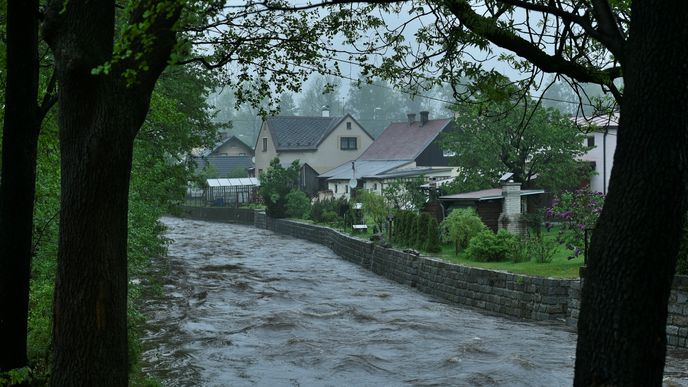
x=412, y=230
x=275, y=184
x=576, y=211
x=329, y=217
x=538, y=249
x=406, y=227
x=490, y=247
x=298, y=204
x=461, y=225
x=421, y=239
x=433, y=244
x=325, y=211
x=374, y=207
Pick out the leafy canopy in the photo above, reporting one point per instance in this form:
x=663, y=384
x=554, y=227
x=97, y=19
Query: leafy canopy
x=525, y=139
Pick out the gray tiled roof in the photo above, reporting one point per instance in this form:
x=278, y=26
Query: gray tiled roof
x=301, y=133
x=364, y=168
x=219, y=144
x=223, y=165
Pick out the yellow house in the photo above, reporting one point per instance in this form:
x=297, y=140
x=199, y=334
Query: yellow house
x=321, y=142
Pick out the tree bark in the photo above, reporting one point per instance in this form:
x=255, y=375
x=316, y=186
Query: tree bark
x=622, y=325
x=99, y=118
x=17, y=189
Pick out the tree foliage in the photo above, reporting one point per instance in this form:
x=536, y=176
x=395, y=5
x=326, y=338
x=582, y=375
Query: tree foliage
x=539, y=146
x=405, y=194
x=461, y=225
x=275, y=184
x=298, y=204
x=374, y=207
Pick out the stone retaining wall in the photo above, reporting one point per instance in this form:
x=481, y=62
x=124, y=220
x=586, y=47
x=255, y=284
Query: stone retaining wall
x=677, y=322
x=508, y=294
x=219, y=214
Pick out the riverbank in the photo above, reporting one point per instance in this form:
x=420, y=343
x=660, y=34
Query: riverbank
x=515, y=295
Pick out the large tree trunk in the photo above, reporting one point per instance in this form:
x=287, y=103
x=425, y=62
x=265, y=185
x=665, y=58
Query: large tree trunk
x=17, y=188
x=99, y=118
x=622, y=326
x=90, y=321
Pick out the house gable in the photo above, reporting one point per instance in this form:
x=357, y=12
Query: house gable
x=233, y=146
x=409, y=141
x=321, y=142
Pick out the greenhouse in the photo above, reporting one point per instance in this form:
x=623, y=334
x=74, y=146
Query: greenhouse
x=225, y=192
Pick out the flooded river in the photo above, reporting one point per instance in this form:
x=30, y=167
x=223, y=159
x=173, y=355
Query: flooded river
x=239, y=306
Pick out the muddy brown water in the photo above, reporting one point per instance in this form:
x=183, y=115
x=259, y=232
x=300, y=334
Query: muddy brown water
x=233, y=305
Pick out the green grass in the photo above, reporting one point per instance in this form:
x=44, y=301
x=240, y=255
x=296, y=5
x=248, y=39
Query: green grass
x=560, y=267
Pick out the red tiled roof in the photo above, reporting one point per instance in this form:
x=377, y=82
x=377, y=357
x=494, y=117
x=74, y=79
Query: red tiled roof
x=401, y=141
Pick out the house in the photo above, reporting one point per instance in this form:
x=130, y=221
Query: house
x=232, y=146
x=322, y=143
x=375, y=175
x=415, y=141
x=403, y=151
x=225, y=166
x=601, y=138
x=497, y=207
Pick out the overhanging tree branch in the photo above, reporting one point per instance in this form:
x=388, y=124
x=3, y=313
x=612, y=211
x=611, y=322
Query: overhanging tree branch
x=490, y=30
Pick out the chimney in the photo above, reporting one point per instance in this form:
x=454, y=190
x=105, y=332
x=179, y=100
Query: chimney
x=411, y=118
x=510, y=218
x=424, y=117
x=325, y=111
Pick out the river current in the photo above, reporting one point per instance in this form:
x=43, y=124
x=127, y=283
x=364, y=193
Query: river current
x=233, y=305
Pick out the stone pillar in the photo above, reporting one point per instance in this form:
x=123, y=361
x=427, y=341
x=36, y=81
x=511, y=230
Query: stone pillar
x=510, y=218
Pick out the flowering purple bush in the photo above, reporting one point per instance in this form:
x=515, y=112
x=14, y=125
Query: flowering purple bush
x=574, y=211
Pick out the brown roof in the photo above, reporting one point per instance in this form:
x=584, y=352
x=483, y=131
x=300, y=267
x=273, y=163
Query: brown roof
x=401, y=141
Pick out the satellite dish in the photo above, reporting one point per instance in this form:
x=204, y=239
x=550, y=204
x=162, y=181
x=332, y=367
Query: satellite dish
x=505, y=177
x=353, y=182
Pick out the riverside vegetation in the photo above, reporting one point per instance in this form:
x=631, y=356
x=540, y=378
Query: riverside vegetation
x=557, y=251
x=158, y=184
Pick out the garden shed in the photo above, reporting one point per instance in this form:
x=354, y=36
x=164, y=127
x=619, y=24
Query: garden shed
x=489, y=203
x=231, y=192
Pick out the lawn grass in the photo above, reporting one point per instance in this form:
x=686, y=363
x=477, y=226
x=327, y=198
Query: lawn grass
x=560, y=267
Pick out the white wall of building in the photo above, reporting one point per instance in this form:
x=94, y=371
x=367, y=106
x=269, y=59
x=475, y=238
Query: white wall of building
x=603, y=156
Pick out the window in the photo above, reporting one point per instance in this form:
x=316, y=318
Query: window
x=348, y=143
x=265, y=144
x=346, y=188
x=336, y=188
x=348, y=125
x=591, y=141
x=374, y=186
